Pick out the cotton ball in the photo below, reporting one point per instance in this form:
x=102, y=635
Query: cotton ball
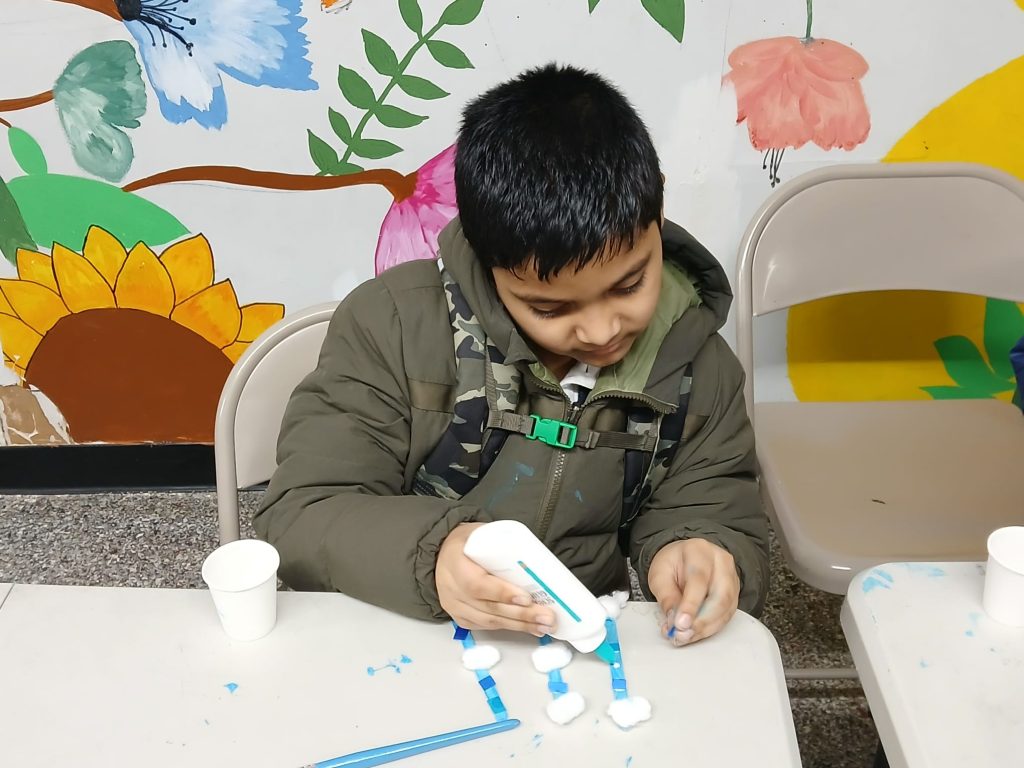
x=548, y=658
x=611, y=606
x=566, y=707
x=480, y=657
x=628, y=712
x=621, y=597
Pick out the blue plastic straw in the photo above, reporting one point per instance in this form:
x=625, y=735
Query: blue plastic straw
x=380, y=755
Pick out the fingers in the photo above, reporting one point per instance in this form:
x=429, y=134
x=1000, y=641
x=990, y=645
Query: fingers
x=695, y=590
x=483, y=586
x=486, y=615
x=697, y=586
x=723, y=596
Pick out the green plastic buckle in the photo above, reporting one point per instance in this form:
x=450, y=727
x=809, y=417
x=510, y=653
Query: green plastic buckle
x=550, y=431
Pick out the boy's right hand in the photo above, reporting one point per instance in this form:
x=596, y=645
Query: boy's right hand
x=477, y=600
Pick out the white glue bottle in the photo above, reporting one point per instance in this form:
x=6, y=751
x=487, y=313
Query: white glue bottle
x=509, y=550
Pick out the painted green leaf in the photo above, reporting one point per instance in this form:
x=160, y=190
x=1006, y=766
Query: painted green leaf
x=323, y=154
x=26, y=150
x=61, y=209
x=1004, y=327
x=343, y=169
x=966, y=366
x=670, y=14
x=100, y=92
x=340, y=125
x=13, y=232
x=461, y=12
x=419, y=88
x=393, y=117
x=448, y=55
x=411, y=15
x=355, y=89
x=380, y=55
x=593, y=4
x=957, y=393
x=373, y=149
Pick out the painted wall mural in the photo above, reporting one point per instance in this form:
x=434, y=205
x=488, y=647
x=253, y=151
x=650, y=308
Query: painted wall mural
x=308, y=144
x=792, y=90
x=919, y=345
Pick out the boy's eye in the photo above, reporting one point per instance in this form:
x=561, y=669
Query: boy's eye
x=546, y=314
x=628, y=289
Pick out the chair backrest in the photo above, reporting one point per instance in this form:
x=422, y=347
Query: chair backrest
x=854, y=228
x=252, y=405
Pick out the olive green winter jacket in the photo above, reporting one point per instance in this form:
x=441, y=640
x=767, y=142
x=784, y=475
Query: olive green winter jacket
x=340, y=507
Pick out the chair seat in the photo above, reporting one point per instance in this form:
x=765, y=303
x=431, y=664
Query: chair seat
x=851, y=485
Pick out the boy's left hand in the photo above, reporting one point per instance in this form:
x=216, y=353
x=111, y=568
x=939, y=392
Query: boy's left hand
x=696, y=584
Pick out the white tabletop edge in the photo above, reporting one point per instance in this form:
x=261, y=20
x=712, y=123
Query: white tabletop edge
x=874, y=610
x=785, y=747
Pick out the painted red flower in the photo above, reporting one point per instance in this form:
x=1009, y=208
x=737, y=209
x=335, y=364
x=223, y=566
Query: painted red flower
x=410, y=228
x=792, y=90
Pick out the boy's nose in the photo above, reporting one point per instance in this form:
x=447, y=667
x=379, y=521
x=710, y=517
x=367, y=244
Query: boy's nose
x=598, y=331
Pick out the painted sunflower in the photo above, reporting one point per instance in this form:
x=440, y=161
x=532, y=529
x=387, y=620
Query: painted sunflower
x=131, y=347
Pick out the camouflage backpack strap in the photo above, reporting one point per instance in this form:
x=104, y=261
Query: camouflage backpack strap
x=642, y=473
x=484, y=384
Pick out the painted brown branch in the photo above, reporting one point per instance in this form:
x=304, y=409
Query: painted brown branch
x=13, y=105
x=398, y=185
x=106, y=7
x=5, y=123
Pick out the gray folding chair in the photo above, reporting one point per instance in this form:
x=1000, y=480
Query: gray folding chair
x=850, y=485
x=252, y=405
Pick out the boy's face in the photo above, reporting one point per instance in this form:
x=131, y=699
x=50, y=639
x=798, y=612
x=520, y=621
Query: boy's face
x=592, y=315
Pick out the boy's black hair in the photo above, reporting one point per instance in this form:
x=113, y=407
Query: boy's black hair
x=552, y=169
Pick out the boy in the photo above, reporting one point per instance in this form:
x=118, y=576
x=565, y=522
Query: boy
x=584, y=326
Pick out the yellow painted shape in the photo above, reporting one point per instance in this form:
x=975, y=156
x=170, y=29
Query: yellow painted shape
x=234, y=351
x=14, y=367
x=190, y=265
x=37, y=267
x=105, y=252
x=18, y=340
x=81, y=286
x=212, y=313
x=144, y=283
x=980, y=124
x=35, y=304
x=256, y=318
x=5, y=306
x=881, y=346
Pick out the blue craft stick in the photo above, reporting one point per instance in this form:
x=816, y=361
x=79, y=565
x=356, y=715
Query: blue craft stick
x=460, y=633
x=380, y=755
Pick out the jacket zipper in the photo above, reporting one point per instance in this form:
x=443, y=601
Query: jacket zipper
x=557, y=468
x=547, y=508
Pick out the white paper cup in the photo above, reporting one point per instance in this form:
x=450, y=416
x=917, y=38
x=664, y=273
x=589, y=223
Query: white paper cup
x=1003, y=598
x=242, y=577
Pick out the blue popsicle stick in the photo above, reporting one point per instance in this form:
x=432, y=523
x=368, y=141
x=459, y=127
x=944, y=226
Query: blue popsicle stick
x=380, y=755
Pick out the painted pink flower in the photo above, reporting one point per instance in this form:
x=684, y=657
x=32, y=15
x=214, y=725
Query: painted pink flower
x=794, y=90
x=410, y=228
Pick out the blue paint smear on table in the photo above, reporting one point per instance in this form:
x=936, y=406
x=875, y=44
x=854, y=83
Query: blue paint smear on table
x=973, y=619
x=537, y=739
x=923, y=664
x=629, y=761
x=232, y=687
x=931, y=571
x=878, y=579
x=371, y=671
